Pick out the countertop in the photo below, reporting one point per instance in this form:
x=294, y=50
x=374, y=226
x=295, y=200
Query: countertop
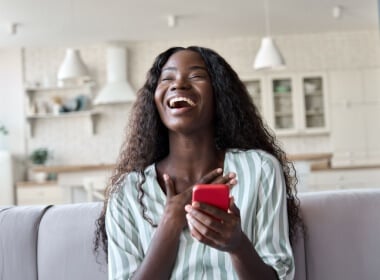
x=318, y=162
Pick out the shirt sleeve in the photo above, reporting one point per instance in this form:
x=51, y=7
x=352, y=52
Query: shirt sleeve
x=272, y=237
x=124, y=248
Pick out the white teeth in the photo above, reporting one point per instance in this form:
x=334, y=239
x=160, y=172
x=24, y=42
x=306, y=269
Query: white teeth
x=178, y=99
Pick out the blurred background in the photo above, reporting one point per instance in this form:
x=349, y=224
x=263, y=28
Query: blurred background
x=69, y=72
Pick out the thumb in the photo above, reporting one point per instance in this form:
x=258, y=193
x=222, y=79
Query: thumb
x=233, y=208
x=169, y=186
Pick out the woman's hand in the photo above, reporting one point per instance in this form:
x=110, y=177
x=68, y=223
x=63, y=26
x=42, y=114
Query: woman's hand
x=215, y=227
x=175, y=202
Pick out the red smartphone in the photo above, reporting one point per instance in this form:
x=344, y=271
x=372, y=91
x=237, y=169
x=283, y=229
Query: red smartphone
x=217, y=195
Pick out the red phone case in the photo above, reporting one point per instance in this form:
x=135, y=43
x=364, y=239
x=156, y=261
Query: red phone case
x=214, y=194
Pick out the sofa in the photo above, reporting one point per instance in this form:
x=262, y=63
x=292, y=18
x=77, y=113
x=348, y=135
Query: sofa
x=341, y=241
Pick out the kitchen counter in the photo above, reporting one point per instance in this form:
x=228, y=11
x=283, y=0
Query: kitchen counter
x=94, y=167
x=318, y=162
x=72, y=168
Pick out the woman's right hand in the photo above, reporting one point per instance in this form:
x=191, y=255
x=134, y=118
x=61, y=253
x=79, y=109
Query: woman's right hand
x=175, y=202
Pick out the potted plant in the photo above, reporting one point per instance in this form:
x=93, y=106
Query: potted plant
x=39, y=157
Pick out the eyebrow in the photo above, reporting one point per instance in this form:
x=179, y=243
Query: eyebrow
x=191, y=68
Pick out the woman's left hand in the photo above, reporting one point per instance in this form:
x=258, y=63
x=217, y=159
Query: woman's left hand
x=215, y=227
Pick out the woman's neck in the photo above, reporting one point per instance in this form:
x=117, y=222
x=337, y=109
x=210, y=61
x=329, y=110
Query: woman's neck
x=190, y=158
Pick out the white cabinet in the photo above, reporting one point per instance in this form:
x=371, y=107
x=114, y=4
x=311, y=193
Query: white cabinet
x=29, y=193
x=344, y=178
x=255, y=89
x=355, y=103
x=292, y=104
x=59, y=102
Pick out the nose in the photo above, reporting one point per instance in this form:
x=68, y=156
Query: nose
x=180, y=82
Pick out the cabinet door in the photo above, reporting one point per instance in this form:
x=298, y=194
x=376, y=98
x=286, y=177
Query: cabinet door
x=348, y=134
x=313, y=103
x=254, y=87
x=39, y=195
x=283, y=104
x=355, y=133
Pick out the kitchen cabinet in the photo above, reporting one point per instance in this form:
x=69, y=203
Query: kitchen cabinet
x=292, y=104
x=30, y=193
x=344, y=178
x=255, y=89
x=49, y=103
x=355, y=103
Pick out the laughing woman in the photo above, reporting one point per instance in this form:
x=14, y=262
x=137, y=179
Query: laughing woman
x=194, y=122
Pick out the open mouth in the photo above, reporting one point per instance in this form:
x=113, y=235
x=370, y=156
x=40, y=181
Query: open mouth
x=181, y=102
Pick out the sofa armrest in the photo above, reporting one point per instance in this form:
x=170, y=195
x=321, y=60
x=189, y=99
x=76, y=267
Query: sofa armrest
x=18, y=241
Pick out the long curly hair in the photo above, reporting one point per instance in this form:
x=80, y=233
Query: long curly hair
x=238, y=124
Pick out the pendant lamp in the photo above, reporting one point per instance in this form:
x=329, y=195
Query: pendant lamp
x=72, y=67
x=269, y=56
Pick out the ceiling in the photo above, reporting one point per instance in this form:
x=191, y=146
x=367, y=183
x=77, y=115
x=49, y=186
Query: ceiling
x=71, y=22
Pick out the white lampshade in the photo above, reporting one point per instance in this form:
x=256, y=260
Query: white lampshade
x=117, y=88
x=269, y=56
x=72, y=67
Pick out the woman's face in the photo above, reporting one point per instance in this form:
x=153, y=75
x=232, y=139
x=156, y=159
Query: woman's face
x=184, y=96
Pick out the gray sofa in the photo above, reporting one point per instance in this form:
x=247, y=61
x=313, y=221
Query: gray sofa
x=55, y=242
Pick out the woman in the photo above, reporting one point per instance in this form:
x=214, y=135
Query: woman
x=194, y=122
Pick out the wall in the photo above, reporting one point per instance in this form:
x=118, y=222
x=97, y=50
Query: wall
x=311, y=52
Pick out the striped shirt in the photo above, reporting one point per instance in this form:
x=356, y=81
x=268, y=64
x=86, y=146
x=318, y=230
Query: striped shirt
x=259, y=194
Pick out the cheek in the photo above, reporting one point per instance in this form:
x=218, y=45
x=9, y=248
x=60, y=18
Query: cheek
x=159, y=103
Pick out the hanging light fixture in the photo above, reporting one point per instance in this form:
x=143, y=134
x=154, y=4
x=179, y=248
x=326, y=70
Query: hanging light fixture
x=269, y=56
x=117, y=88
x=72, y=68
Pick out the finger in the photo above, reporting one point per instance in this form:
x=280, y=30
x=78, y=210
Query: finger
x=233, y=208
x=211, y=217
x=201, y=232
x=228, y=179
x=211, y=176
x=169, y=186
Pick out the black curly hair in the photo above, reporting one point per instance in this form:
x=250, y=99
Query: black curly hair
x=238, y=124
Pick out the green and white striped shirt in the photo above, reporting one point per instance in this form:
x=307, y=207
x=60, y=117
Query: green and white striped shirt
x=260, y=195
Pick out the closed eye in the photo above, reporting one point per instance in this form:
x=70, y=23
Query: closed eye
x=166, y=79
x=198, y=76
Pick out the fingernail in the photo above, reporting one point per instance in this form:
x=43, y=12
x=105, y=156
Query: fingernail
x=165, y=176
x=195, y=204
x=231, y=175
x=188, y=208
x=219, y=170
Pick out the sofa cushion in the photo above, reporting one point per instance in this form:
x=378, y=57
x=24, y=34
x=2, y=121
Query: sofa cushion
x=343, y=234
x=18, y=242
x=65, y=244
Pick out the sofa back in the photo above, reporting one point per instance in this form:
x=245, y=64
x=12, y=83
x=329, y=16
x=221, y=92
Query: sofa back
x=66, y=242
x=50, y=242
x=342, y=241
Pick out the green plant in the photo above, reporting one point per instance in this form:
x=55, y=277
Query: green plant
x=3, y=130
x=39, y=156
